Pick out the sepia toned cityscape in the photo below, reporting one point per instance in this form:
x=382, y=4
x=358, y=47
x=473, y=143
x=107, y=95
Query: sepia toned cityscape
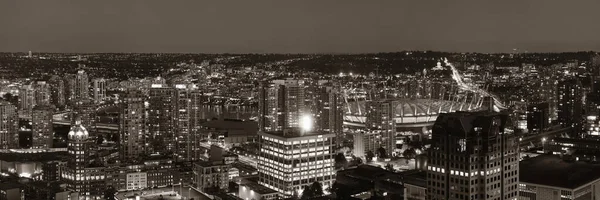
x=84, y=118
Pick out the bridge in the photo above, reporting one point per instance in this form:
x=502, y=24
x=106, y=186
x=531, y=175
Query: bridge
x=537, y=138
x=63, y=118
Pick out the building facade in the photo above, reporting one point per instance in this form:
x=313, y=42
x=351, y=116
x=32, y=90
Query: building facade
x=9, y=126
x=473, y=156
x=381, y=116
x=80, y=176
x=133, y=130
x=289, y=160
x=99, y=90
x=280, y=104
x=41, y=127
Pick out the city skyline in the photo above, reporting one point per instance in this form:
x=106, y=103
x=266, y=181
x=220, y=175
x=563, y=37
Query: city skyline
x=298, y=27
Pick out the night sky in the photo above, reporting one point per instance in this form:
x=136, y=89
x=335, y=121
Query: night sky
x=298, y=26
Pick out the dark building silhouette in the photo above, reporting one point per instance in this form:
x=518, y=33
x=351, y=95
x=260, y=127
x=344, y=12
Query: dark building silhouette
x=570, y=104
x=537, y=117
x=474, y=155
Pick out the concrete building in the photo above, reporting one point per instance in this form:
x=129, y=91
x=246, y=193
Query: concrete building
x=256, y=191
x=365, y=141
x=328, y=110
x=26, y=99
x=82, y=85
x=10, y=191
x=80, y=176
x=57, y=91
x=538, y=117
x=133, y=130
x=281, y=104
x=85, y=110
x=42, y=93
x=380, y=116
x=137, y=181
x=99, y=90
x=41, y=127
x=549, y=177
x=570, y=105
x=291, y=159
x=9, y=125
x=211, y=175
x=474, y=155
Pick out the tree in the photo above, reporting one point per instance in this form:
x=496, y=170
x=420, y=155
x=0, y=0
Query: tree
x=109, y=193
x=390, y=167
x=381, y=152
x=409, y=153
x=340, y=161
x=313, y=190
x=369, y=156
x=340, y=191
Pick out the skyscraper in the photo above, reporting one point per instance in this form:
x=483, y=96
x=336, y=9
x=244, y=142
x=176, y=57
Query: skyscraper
x=538, y=117
x=70, y=89
x=82, y=85
x=85, y=110
x=474, y=155
x=42, y=93
x=26, y=99
x=99, y=90
x=78, y=174
x=41, y=127
x=570, y=104
x=133, y=130
x=291, y=159
x=328, y=110
x=9, y=125
x=57, y=91
x=161, y=119
x=280, y=104
x=380, y=116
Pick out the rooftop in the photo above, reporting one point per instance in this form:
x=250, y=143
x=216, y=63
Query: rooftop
x=295, y=134
x=551, y=170
x=259, y=188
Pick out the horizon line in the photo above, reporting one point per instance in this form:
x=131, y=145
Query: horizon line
x=316, y=53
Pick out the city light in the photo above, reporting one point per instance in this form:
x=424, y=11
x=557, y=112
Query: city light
x=306, y=123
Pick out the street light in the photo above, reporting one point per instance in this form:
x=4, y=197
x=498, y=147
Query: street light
x=544, y=144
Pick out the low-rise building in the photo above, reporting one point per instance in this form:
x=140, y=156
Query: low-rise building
x=256, y=191
x=549, y=177
x=211, y=175
x=10, y=191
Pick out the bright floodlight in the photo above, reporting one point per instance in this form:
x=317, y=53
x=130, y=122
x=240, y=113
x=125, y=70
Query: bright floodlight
x=306, y=122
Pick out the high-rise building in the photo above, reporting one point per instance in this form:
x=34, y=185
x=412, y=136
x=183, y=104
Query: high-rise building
x=365, y=142
x=538, y=117
x=42, y=93
x=82, y=85
x=79, y=176
x=99, y=90
x=70, y=89
x=41, y=127
x=57, y=91
x=328, y=110
x=380, y=116
x=85, y=110
x=280, y=104
x=26, y=99
x=474, y=155
x=182, y=123
x=9, y=125
x=133, y=130
x=570, y=104
x=161, y=123
x=290, y=159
